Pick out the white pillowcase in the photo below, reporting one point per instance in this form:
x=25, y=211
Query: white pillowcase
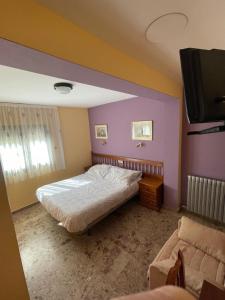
x=114, y=173
x=99, y=170
x=119, y=174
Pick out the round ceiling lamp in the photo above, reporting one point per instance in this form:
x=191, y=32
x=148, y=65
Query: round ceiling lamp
x=166, y=28
x=63, y=87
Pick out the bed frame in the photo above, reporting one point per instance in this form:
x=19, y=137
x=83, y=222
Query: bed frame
x=148, y=167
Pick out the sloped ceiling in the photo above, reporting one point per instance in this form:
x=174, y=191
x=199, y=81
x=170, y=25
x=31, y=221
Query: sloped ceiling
x=123, y=24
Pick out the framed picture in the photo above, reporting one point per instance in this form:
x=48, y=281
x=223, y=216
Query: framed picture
x=142, y=130
x=101, y=132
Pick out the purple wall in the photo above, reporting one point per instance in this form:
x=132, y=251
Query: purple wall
x=202, y=155
x=165, y=144
x=164, y=110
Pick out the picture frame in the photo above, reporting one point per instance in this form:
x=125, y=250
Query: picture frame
x=142, y=130
x=101, y=131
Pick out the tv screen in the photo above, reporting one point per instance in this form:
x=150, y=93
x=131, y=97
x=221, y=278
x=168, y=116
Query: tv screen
x=203, y=74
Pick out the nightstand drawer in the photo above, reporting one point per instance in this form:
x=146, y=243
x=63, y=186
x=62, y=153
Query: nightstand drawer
x=148, y=193
x=146, y=188
x=151, y=193
x=150, y=204
x=145, y=197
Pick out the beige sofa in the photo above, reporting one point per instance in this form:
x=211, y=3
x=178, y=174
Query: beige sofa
x=203, y=249
x=163, y=293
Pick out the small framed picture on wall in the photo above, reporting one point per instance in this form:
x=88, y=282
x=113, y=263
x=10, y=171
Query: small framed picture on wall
x=101, y=131
x=142, y=130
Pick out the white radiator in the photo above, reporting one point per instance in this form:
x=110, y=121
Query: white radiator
x=206, y=197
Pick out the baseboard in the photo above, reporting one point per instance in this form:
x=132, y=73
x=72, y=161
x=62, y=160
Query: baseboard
x=22, y=208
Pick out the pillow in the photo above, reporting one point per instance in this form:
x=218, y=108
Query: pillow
x=99, y=171
x=119, y=174
x=208, y=240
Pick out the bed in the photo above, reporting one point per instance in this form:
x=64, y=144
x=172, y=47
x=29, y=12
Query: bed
x=79, y=202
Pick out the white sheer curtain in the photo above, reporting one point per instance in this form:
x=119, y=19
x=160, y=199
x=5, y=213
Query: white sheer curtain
x=30, y=141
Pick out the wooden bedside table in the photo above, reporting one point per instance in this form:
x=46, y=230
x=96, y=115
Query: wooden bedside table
x=87, y=168
x=151, y=192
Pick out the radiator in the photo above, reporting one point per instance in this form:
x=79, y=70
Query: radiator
x=206, y=197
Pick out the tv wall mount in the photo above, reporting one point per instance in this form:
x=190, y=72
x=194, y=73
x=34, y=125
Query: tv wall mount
x=214, y=129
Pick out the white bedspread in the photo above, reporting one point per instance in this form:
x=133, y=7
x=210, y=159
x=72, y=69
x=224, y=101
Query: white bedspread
x=79, y=201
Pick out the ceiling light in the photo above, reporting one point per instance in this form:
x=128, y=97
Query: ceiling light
x=63, y=87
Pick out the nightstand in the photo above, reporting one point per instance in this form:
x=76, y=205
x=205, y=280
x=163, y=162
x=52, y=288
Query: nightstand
x=151, y=192
x=87, y=168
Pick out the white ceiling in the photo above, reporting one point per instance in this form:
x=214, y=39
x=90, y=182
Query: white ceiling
x=20, y=86
x=123, y=24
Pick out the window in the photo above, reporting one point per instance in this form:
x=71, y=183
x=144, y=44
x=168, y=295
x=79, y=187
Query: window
x=39, y=153
x=30, y=142
x=12, y=157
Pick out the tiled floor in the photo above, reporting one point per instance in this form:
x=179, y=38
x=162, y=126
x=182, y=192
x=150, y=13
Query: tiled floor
x=111, y=261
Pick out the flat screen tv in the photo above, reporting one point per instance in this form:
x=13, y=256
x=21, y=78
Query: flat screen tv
x=204, y=84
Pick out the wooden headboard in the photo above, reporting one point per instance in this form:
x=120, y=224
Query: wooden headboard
x=148, y=167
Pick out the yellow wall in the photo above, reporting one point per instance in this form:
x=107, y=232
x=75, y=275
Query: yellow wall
x=12, y=281
x=31, y=24
x=77, y=150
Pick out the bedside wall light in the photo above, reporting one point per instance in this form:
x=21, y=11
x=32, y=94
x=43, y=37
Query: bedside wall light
x=140, y=145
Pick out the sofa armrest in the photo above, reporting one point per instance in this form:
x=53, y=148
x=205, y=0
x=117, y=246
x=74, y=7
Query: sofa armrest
x=167, y=248
x=158, y=271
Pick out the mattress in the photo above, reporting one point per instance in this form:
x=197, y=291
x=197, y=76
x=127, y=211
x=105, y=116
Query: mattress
x=79, y=201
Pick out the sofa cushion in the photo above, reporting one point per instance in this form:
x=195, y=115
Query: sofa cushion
x=208, y=266
x=193, y=278
x=199, y=266
x=208, y=240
